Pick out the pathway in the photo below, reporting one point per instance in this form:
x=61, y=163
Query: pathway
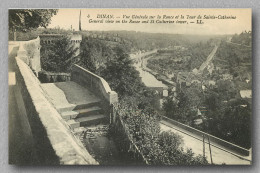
x=220, y=155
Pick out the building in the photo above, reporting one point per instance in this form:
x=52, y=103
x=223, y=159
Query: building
x=227, y=76
x=75, y=39
x=246, y=94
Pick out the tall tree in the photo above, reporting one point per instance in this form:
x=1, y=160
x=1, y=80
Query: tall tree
x=121, y=75
x=93, y=54
x=27, y=19
x=58, y=56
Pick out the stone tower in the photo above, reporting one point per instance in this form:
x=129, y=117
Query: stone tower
x=80, y=20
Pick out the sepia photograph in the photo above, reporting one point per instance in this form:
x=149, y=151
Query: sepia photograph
x=121, y=87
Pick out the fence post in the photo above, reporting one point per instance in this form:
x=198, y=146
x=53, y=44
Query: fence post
x=203, y=146
x=112, y=114
x=210, y=151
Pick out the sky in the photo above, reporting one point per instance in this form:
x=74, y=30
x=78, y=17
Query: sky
x=243, y=20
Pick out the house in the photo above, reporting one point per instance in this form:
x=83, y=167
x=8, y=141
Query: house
x=227, y=76
x=195, y=71
x=211, y=82
x=195, y=81
x=246, y=94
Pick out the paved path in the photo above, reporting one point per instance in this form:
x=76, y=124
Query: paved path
x=68, y=94
x=195, y=143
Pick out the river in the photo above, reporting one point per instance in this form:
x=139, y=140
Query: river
x=148, y=79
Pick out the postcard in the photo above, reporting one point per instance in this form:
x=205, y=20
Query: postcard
x=130, y=87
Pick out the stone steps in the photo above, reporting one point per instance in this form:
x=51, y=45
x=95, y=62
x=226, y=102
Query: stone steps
x=73, y=124
x=85, y=116
x=77, y=105
x=68, y=115
x=87, y=121
x=89, y=111
x=91, y=120
x=86, y=105
x=65, y=108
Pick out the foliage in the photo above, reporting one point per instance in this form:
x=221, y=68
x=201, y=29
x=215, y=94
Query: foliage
x=184, y=109
x=159, y=148
x=58, y=56
x=225, y=114
x=27, y=19
x=245, y=38
x=121, y=75
x=94, y=54
x=236, y=59
x=199, y=53
x=226, y=117
x=30, y=49
x=231, y=122
x=179, y=60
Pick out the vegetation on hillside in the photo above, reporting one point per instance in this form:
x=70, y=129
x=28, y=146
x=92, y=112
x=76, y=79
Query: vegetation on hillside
x=245, y=38
x=158, y=148
x=137, y=111
x=58, y=56
x=181, y=60
x=224, y=113
x=228, y=120
x=236, y=59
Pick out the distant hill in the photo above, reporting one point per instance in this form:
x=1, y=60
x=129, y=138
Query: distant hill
x=245, y=38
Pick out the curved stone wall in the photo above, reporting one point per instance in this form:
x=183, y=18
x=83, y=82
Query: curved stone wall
x=53, y=141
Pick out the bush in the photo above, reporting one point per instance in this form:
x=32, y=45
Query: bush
x=58, y=56
x=159, y=148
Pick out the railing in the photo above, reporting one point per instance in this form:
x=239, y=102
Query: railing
x=93, y=82
x=220, y=142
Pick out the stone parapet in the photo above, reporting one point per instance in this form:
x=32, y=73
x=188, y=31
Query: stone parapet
x=53, y=141
x=93, y=82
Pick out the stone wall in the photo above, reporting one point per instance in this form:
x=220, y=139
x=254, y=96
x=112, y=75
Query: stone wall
x=93, y=82
x=50, y=77
x=29, y=52
x=53, y=141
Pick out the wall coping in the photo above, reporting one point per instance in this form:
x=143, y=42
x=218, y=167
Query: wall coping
x=109, y=95
x=66, y=146
x=105, y=84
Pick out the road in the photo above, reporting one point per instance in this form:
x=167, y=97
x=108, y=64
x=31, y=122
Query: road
x=238, y=44
x=209, y=59
x=219, y=156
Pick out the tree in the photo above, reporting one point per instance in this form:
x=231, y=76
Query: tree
x=27, y=19
x=58, y=56
x=94, y=54
x=121, y=75
x=158, y=147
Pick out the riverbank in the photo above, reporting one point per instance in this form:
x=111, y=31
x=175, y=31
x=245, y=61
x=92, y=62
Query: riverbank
x=141, y=66
x=147, y=76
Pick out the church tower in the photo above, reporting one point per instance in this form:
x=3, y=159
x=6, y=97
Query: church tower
x=80, y=20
